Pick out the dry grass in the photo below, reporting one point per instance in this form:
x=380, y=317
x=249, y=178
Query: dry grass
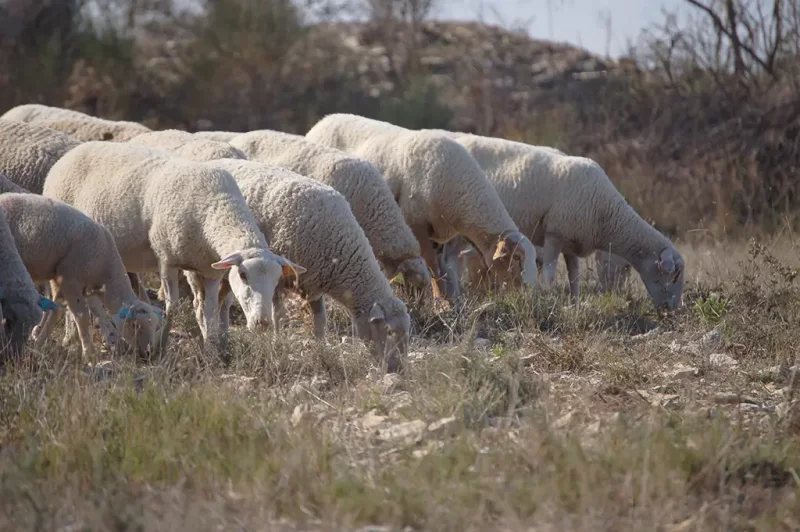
x=512, y=416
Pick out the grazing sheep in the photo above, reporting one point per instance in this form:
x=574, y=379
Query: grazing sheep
x=58, y=243
x=29, y=151
x=312, y=224
x=169, y=214
x=21, y=305
x=361, y=183
x=188, y=146
x=440, y=189
x=88, y=130
x=219, y=136
x=568, y=205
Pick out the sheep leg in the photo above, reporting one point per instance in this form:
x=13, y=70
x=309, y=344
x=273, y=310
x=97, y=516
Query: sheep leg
x=138, y=287
x=574, y=275
x=550, y=251
x=432, y=261
x=206, y=306
x=49, y=319
x=105, y=324
x=76, y=303
x=169, y=280
x=449, y=264
x=320, y=317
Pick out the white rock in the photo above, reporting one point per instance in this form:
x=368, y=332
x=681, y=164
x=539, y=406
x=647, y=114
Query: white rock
x=371, y=420
x=406, y=433
x=722, y=360
x=482, y=342
x=442, y=425
x=681, y=371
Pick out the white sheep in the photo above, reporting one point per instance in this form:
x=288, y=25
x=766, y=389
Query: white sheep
x=357, y=180
x=87, y=130
x=33, y=112
x=60, y=244
x=312, y=224
x=29, y=151
x=169, y=214
x=219, y=136
x=21, y=305
x=441, y=191
x=568, y=205
x=187, y=145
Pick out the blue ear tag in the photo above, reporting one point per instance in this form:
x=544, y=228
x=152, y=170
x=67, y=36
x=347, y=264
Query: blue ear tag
x=125, y=313
x=47, y=305
x=158, y=313
x=2, y=293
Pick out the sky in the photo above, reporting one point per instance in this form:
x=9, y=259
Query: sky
x=574, y=21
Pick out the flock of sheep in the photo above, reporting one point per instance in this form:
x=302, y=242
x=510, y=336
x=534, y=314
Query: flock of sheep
x=89, y=204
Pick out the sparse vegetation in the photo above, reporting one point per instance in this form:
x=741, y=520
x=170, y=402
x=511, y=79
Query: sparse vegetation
x=513, y=413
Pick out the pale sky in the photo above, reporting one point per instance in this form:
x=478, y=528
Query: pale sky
x=573, y=21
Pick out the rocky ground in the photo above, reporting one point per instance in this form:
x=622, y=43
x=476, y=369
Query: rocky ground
x=514, y=415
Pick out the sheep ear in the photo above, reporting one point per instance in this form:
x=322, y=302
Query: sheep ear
x=228, y=262
x=376, y=315
x=289, y=267
x=48, y=304
x=501, y=251
x=666, y=264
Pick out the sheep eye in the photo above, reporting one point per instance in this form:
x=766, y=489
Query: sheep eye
x=242, y=276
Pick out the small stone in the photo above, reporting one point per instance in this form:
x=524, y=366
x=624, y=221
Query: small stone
x=712, y=339
x=722, y=360
x=640, y=338
x=371, y=420
x=563, y=421
x=443, y=425
x=681, y=371
x=390, y=382
x=482, y=342
x=733, y=399
x=407, y=433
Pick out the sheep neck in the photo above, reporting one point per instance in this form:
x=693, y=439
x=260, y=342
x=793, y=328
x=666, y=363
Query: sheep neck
x=627, y=235
x=233, y=231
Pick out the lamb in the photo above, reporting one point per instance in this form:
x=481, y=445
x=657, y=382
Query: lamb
x=87, y=130
x=21, y=305
x=187, y=145
x=58, y=243
x=219, y=136
x=29, y=151
x=441, y=191
x=169, y=214
x=312, y=224
x=568, y=205
x=362, y=184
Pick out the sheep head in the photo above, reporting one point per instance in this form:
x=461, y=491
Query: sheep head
x=663, y=278
x=139, y=324
x=515, y=258
x=253, y=275
x=386, y=328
